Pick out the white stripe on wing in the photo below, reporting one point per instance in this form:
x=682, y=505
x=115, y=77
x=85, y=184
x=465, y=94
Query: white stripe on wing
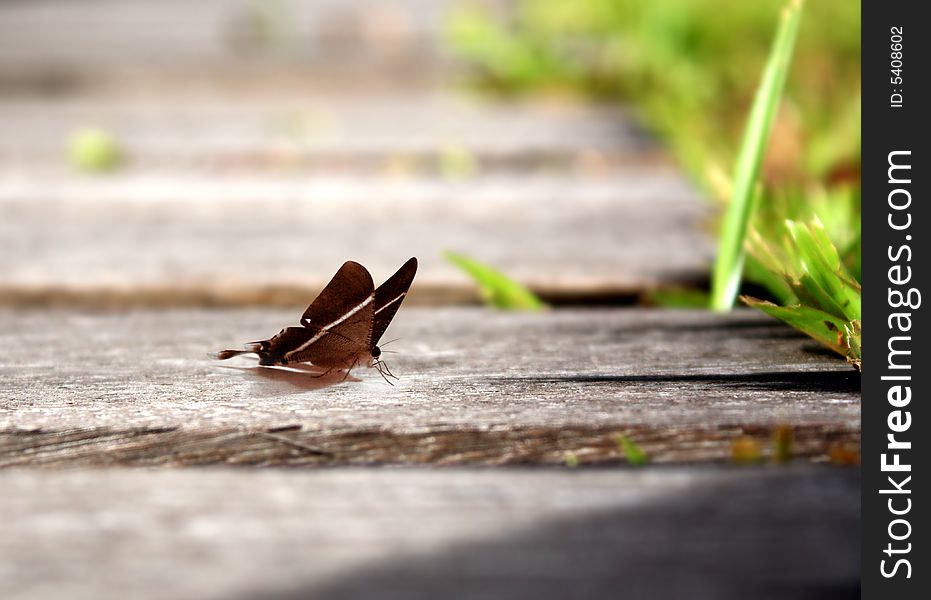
x=387, y=304
x=325, y=329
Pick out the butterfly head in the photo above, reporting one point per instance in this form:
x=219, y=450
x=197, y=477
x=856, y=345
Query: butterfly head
x=379, y=365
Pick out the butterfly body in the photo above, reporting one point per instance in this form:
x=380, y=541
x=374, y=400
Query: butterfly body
x=342, y=326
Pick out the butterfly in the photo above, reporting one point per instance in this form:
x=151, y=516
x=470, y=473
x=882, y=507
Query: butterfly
x=342, y=326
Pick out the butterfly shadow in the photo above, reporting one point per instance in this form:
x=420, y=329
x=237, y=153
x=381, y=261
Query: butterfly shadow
x=292, y=379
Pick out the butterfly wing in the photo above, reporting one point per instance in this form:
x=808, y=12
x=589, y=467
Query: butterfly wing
x=338, y=323
x=351, y=285
x=388, y=298
x=340, y=344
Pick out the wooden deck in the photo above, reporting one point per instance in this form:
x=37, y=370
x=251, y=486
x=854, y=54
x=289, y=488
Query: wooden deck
x=703, y=533
x=475, y=387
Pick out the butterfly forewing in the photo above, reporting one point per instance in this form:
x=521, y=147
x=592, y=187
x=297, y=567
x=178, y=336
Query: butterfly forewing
x=338, y=322
x=388, y=298
x=351, y=286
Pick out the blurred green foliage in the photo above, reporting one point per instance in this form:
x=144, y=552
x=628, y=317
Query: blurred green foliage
x=631, y=451
x=456, y=162
x=689, y=67
x=94, y=150
x=691, y=70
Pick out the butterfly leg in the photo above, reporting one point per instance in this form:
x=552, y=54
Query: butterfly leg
x=351, y=367
x=310, y=369
x=382, y=368
x=325, y=373
x=390, y=374
x=382, y=365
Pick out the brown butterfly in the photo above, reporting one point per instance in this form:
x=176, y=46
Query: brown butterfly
x=342, y=326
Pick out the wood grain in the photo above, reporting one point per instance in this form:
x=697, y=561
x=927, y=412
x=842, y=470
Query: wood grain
x=703, y=533
x=475, y=386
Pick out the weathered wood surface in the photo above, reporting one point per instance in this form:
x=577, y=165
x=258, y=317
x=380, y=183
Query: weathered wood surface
x=230, y=202
x=660, y=533
x=443, y=446
x=56, y=45
x=215, y=135
x=250, y=183
x=475, y=386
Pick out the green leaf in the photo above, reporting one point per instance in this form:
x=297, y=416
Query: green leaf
x=634, y=454
x=497, y=289
x=812, y=294
x=817, y=324
x=851, y=258
x=836, y=289
x=769, y=277
x=728, y=266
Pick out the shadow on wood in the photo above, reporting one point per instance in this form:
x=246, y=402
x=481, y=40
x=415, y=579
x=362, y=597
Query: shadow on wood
x=300, y=377
x=785, y=381
x=726, y=539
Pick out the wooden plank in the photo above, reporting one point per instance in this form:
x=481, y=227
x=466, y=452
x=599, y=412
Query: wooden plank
x=363, y=533
x=229, y=202
x=242, y=189
x=475, y=386
x=56, y=42
x=597, y=240
x=295, y=446
x=280, y=130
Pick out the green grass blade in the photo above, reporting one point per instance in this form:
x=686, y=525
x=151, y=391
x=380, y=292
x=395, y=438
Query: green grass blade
x=852, y=258
x=728, y=266
x=819, y=325
x=823, y=265
x=771, y=279
x=817, y=297
x=496, y=288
